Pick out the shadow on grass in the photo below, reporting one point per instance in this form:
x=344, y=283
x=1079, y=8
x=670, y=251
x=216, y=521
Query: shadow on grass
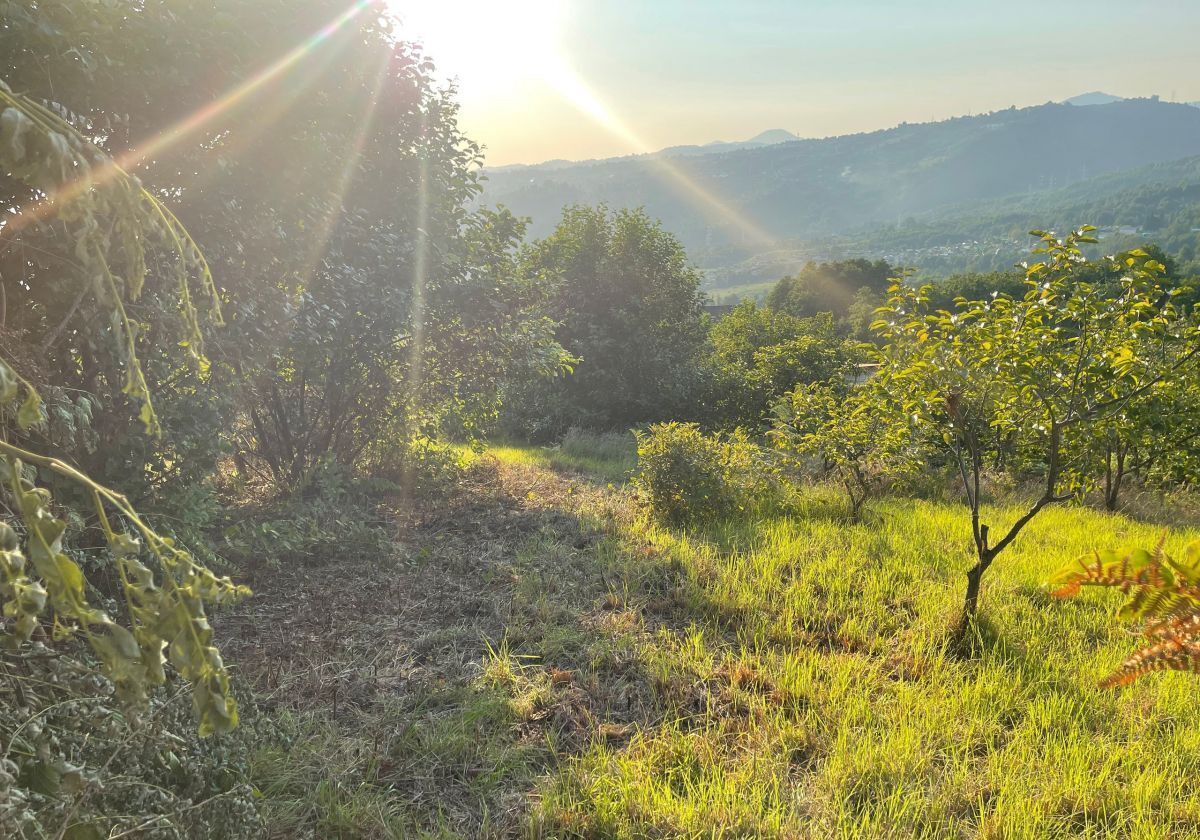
x=977, y=638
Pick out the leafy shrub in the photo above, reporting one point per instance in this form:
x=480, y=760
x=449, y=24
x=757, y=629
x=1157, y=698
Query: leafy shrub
x=333, y=517
x=690, y=477
x=72, y=761
x=863, y=446
x=431, y=468
x=83, y=717
x=756, y=355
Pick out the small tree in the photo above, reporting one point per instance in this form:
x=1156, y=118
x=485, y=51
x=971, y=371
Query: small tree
x=1151, y=437
x=854, y=436
x=757, y=355
x=1033, y=373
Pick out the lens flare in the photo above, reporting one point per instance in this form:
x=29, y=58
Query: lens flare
x=191, y=124
x=500, y=52
x=572, y=88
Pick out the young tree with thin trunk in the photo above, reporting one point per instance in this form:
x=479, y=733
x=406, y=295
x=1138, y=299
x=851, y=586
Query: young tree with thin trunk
x=854, y=436
x=1040, y=372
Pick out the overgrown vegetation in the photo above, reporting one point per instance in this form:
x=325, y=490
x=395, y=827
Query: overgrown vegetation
x=690, y=477
x=722, y=599
x=575, y=669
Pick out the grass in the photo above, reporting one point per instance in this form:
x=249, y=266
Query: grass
x=786, y=677
x=610, y=457
x=809, y=687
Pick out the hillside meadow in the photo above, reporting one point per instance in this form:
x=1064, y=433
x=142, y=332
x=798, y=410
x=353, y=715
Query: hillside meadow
x=339, y=499
x=790, y=676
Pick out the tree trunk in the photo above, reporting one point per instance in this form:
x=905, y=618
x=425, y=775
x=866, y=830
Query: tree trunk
x=1113, y=476
x=974, y=582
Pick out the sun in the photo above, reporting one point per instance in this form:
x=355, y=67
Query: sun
x=489, y=48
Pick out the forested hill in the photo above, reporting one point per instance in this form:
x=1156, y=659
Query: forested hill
x=1158, y=202
x=803, y=190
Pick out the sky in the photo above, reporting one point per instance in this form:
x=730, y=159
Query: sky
x=578, y=79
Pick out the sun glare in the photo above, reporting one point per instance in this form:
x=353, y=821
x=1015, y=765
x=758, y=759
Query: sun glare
x=490, y=48
x=499, y=52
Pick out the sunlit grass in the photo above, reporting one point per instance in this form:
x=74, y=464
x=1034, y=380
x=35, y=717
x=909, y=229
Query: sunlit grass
x=787, y=677
x=611, y=456
x=834, y=700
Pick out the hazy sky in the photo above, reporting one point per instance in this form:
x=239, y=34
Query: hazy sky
x=543, y=79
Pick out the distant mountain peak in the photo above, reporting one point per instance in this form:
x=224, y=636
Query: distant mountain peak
x=772, y=136
x=1095, y=97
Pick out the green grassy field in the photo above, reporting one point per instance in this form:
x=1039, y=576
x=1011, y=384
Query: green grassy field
x=610, y=457
x=790, y=677
x=742, y=291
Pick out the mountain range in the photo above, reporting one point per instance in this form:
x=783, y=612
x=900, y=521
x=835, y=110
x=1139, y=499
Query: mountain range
x=776, y=200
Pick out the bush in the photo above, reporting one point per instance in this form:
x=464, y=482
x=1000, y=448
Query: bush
x=333, y=517
x=756, y=355
x=77, y=766
x=422, y=466
x=690, y=477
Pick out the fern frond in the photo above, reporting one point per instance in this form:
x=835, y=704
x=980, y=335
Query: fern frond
x=1179, y=651
x=1163, y=591
x=1135, y=569
x=1155, y=603
x=1184, y=623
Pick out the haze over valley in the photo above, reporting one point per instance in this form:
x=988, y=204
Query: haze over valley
x=959, y=193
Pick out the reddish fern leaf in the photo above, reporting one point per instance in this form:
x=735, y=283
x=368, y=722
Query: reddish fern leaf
x=1163, y=592
x=1172, y=654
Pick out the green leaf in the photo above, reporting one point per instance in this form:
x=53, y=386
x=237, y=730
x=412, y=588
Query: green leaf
x=30, y=412
x=8, y=384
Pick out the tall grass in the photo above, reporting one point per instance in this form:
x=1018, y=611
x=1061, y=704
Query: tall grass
x=609, y=456
x=782, y=676
x=810, y=686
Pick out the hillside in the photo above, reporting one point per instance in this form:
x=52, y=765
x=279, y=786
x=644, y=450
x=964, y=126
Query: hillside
x=547, y=662
x=1158, y=202
x=790, y=195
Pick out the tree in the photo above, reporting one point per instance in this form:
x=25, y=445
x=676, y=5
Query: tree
x=757, y=355
x=363, y=300
x=1035, y=373
x=852, y=435
x=628, y=304
x=829, y=287
x=975, y=286
x=1151, y=437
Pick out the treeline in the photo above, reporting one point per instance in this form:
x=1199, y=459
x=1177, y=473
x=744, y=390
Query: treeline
x=1059, y=383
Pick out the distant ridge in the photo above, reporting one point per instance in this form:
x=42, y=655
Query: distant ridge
x=770, y=136
x=785, y=196
x=1096, y=97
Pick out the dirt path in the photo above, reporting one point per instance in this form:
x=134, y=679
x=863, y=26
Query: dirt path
x=373, y=645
